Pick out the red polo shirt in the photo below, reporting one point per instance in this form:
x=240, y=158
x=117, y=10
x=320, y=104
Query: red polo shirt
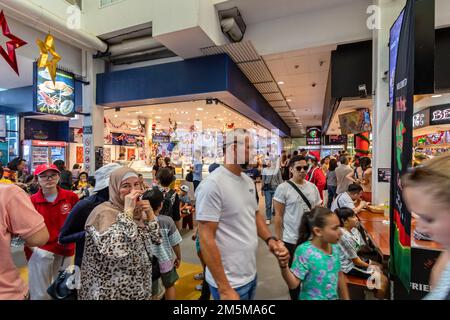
x=55, y=215
x=317, y=177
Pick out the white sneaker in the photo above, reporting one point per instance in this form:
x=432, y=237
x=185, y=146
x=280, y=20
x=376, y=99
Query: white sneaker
x=268, y=222
x=199, y=287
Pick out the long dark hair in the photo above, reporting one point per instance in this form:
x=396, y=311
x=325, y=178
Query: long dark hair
x=333, y=165
x=344, y=214
x=317, y=218
x=157, y=161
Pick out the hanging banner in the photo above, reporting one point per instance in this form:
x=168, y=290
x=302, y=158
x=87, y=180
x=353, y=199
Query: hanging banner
x=400, y=239
x=80, y=152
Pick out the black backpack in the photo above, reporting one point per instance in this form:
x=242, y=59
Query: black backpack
x=168, y=202
x=190, y=177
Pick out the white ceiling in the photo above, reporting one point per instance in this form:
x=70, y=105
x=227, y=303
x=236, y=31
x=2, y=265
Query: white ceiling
x=184, y=113
x=8, y=77
x=305, y=76
x=257, y=11
x=347, y=106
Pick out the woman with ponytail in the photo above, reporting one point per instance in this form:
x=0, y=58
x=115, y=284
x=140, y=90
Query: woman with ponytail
x=316, y=265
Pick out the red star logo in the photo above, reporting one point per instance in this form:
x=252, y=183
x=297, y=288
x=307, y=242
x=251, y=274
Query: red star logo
x=11, y=46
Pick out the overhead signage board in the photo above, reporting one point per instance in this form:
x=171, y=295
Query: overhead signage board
x=421, y=119
x=314, y=136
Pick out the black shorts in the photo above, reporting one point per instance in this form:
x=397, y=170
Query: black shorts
x=360, y=272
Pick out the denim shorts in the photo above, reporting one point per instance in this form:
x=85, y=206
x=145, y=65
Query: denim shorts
x=246, y=292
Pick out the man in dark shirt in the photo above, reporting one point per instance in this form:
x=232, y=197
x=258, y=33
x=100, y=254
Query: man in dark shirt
x=65, y=181
x=73, y=229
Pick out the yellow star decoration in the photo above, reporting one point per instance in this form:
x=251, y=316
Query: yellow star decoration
x=46, y=47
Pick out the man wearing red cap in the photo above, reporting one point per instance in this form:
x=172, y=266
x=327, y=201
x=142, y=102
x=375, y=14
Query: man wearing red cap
x=54, y=204
x=315, y=174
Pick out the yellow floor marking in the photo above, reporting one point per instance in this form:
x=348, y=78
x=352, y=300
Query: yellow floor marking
x=185, y=286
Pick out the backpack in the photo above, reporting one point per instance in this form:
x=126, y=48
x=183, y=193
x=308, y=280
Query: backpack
x=190, y=177
x=168, y=202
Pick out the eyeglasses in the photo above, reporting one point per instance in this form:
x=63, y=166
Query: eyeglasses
x=49, y=177
x=299, y=169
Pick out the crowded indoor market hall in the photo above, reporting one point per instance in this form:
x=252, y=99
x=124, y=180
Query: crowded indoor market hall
x=224, y=150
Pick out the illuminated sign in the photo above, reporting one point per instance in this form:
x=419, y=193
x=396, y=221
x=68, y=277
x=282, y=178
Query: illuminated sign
x=440, y=114
x=314, y=136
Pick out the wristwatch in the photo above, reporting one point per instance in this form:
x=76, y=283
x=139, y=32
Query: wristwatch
x=271, y=238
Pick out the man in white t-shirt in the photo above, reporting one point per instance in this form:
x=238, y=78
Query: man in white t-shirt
x=347, y=199
x=290, y=206
x=230, y=223
x=341, y=175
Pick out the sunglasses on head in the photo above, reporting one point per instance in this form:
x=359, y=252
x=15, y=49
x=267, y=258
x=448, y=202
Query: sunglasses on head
x=299, y=168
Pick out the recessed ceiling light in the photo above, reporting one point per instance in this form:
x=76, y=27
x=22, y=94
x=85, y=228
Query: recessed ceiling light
x=437, y=96
x=289, y=100
x=157, y=117
x=199, y=109
x=115, y=116
x=280, y=82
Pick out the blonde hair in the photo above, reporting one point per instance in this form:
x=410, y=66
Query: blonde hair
x=434, y=176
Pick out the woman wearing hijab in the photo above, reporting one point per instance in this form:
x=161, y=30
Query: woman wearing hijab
x=117, y=260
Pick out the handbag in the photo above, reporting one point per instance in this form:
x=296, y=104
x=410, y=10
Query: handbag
x=59, y=289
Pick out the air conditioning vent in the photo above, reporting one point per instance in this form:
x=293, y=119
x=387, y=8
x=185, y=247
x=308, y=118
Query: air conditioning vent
x=107, y=3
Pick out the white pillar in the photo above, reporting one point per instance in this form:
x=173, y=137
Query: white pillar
x=90, y=69
x=382, y=114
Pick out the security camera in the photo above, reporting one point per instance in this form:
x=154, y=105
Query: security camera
x=232, y=24
x=362, y=90
x=231, y=28
x=314, y=85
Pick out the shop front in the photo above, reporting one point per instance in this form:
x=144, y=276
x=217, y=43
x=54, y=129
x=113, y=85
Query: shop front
x=147, y=113
x=176, y=131
x=431, y=132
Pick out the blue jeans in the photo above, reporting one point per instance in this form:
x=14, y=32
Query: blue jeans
x=268, y=195
x=331, y=194
x=246, y=292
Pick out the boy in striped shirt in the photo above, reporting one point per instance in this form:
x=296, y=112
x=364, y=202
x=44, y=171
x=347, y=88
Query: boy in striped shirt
x=171, y=239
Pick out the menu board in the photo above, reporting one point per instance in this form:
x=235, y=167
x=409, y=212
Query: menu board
x=55, y=98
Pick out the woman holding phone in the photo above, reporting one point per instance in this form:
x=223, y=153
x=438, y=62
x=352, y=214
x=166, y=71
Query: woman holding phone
x=117, y=261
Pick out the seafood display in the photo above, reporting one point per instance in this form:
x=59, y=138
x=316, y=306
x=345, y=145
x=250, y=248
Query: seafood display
x=55, y=98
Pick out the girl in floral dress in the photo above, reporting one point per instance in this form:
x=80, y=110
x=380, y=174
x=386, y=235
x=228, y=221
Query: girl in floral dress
x=316, y=266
